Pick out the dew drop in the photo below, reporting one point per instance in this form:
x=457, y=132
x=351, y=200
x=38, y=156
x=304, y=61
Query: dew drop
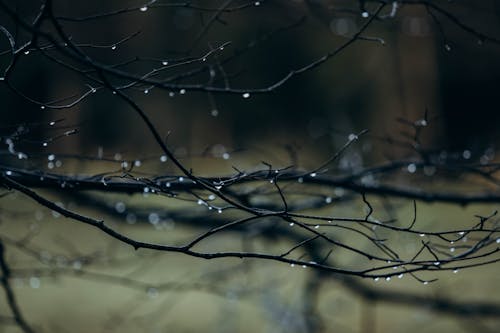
x=466, y=154
x=137, y=163
x=8, y=173
x=42, y=107
x=45, y=144
x=146, y=91
x=143, y=9
x=292, y=224
x=164, y=63
x=292, y=265
x=214, y=113
x=313, y=174
x=328, y=200
x=219, y=211
x=388, y=278
x=452, y=249
x=163, y=158
x=400, y=276
x=422, y=235
x=376, y=279
x=498, y=240
x=225, y=156
x=246, y=95
x=455, y=271
x=316, y=226
x=52, y=123
x=113, y=47
x=447, y=47
x=365, y=14
x=426, y=282
x=300, y=180
x=257, y=3
x=182, y=91
x=26, y=52
x=181, y=179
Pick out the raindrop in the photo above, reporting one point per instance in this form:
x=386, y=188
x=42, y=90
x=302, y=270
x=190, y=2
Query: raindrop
x=455, y=271
x=51, y=157
x=461, y=233
x=120, y=207
x=225, y=156
x=146, y=189
x=365, y=14
x=182, y=91
x=211, y=197
x=313, y=174
x=376, y=279
x=8, y=173
x=124, y=164
x=257, y=3
x=304, y=266
x=146, y=91
x=316, y=226
x=328, y=200
x=437, y=263
x=45, y=144
x=352, y=137
x=171, y=94
x=452, y=249
x=400, y=276
x=42, y=107
x=26, y=52
x=113, y=47
x=292, y=265
x=214, y=113
x=131, y=218
x=52, y=123
x=412, y=168
x=77, y=264
x=447, y=47
x=21, y=156
x=152, y=292
x=218, y=187
x=200, y=202
x=143, y=9
x=164, y=63
x=181, y=179
x=153, y=218
x=246, y=95
x=292, y=224
x=163, y=158
x=422, y=235
x=300, y=180
x=137, y=163
x=466, y=154
x=388, y=278
x=498, y=240
x=219, y=211
x=34, y=282
x=426, y=282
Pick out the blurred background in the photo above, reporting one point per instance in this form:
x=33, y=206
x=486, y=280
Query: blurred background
x=425, y=62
